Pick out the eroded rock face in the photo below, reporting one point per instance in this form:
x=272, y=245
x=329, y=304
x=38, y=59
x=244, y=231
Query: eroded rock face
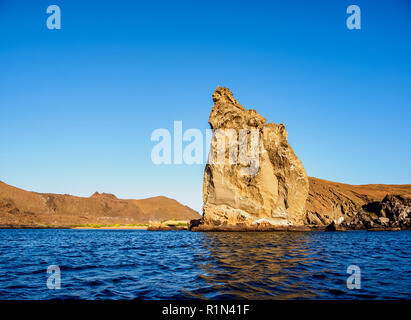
x=260, y=181
x=394, y=211
x=358, y=206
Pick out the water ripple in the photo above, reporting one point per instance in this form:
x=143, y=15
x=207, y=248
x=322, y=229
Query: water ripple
x=136, y=264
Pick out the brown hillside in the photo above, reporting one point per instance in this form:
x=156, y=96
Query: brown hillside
x=330, y=200
x=326, y=201
x=24, y=208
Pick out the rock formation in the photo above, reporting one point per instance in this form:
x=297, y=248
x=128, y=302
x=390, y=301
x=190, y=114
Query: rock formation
x=392, y=212
x=345, y=206
x=272, y=191
x=253, y=178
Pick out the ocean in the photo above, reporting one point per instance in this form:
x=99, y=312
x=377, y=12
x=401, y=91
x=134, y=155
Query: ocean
x=139, y=264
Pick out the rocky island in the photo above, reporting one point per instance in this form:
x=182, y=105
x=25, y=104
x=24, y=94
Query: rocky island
x=279, y=195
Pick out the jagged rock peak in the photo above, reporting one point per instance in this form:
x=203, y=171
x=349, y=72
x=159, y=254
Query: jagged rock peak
x=103, y=195
x=228, y=113
x=274, y=194
x=223, y=94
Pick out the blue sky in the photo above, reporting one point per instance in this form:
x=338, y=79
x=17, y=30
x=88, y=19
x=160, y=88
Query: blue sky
x=78, y=105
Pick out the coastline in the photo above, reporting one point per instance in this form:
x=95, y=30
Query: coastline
x=111, y=228
x=23, y=227
x=205, y=229
x=179, y=225
x=288, y=229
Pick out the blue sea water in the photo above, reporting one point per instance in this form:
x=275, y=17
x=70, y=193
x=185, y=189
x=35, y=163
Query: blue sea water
x=139, y=264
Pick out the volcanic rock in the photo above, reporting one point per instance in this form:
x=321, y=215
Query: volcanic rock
x=359, y=205
x=270, y=190
x=393, y=211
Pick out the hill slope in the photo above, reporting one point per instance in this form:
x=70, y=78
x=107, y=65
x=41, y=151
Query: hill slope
x=330, y=200
x=326, y=202
x=24, y=208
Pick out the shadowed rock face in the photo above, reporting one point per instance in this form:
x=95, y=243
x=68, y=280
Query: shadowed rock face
x=394, y=211
x=356, y=206
x=268, y=190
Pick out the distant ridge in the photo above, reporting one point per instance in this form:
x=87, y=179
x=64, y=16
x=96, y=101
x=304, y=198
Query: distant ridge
x=19, y=207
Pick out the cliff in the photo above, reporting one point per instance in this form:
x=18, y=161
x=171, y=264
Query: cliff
x=270, y=189
x=253, y=177
x=358, y=206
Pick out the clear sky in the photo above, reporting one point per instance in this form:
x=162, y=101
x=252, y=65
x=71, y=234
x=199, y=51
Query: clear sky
x=78, y=105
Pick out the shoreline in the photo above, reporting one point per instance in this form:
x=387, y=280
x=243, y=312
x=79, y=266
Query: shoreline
x=196, y=229
x=111, y=228
x=22, y=227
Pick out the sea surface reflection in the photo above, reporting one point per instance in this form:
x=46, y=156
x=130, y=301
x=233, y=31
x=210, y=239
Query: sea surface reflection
x=135, y=264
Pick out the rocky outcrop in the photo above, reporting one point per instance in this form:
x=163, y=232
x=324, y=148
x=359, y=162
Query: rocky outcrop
x=271, y=192
x=342, y=206
x=20, y=208
x=392, y=212
x=253, y=178
x=158, y=226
